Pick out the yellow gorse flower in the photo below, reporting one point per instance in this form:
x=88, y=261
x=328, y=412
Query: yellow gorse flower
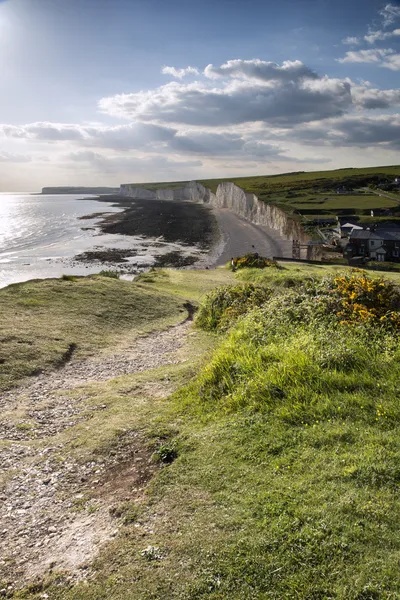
x=364, y=299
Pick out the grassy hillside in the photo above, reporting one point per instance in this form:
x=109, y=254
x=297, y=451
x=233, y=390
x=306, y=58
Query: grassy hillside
x=45, y=323
x=312, y=193
x=284, y=428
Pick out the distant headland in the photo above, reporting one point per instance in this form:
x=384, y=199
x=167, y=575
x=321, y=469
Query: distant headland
x=79, y=190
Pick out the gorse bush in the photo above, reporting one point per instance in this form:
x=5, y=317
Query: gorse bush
x=362, y=299
x=109, y=273
x=224, y=305
x=253, y=261
x=294, y=350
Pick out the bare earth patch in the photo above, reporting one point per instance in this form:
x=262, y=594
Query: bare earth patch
x=55, y=513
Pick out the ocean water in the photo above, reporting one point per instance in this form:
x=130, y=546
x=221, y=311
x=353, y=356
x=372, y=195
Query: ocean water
x=41, y=235
x=38, y=234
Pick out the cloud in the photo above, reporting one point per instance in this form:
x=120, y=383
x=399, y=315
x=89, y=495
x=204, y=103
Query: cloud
x=179, y=73
x=382, y=57
x=51, y=132
x=372, y=56
x=374, y=36
x=253, y=92
x=114, y=164
x=243, y=110
x=370, y=98
x=14, y=158
x=122, y=137
x=357, y=131
x=351, y=41
x=261, y=70
x=128, y=137
x=390, y=13
x=226, y=144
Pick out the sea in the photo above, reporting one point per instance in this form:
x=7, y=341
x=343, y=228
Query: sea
x=39, y=234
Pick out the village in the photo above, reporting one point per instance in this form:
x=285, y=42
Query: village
x=357, y=238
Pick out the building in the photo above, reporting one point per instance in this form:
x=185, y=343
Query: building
x=347, y=228
x=374, y=245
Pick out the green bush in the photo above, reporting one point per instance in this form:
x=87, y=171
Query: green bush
x=68, y=278
x=253, y=261
x=294, y=354
x=223, y=306
x=109, y=273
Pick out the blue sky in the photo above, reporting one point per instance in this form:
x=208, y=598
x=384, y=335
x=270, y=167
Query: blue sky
x=100, y=91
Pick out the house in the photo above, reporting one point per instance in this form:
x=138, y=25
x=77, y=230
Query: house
x=375, y=245
x=347, y=228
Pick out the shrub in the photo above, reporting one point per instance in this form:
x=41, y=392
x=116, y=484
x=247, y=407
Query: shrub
x=253, y=261
x=362, y=299
x=223, y=306
x=166, y=453
x=111, y=274
x=68, y=278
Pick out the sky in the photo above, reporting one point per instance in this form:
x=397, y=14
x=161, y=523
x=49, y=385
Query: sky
x=103, y=92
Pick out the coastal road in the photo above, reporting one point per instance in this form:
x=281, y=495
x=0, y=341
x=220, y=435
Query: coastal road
x=241, y=237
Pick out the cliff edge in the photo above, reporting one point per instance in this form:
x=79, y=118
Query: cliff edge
x=228, y=196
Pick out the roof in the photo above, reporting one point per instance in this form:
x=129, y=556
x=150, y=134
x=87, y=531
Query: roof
x=348, y=225
x=366, y=234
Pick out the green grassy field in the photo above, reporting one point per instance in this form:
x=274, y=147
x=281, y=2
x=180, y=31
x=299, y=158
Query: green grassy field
x=337, y=203
x=286, y=430
x=43, y=322
x=295, y=192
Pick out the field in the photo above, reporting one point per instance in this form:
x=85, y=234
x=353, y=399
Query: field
x=283, y=437
x=335, y=204
x=46, y=323
x=312, y=192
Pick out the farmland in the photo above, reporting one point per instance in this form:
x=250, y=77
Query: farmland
x=305, y=195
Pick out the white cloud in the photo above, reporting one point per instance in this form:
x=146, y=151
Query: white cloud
x=51, y=132
x=254, y=91
x=372, y=56
x=351, y=41
x=14, y=158
x=392, y=62
x=374, y=36
x=122, y=137
x=244, y=112
x=261, y=70
x=179, y=73
x=382, y=57
x=390, y=13
x=370, y=98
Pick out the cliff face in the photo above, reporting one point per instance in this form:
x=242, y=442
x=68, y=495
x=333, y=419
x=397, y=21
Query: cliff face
x=228, y=196
x=252, y=209
x=191, y=192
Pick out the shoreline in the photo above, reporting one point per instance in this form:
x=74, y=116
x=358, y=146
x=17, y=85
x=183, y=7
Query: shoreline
x=168, y=234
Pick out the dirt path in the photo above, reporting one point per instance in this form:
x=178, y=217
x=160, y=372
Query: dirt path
x=54, y=511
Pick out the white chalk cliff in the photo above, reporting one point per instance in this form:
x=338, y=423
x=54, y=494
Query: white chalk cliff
x=230, y=196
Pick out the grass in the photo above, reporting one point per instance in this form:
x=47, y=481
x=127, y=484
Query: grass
x=301, y=191
x=286, y=443
x=288, y=182
x=46, y=323
x=354, y=202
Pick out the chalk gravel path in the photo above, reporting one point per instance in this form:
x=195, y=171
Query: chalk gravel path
x=45, y=523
